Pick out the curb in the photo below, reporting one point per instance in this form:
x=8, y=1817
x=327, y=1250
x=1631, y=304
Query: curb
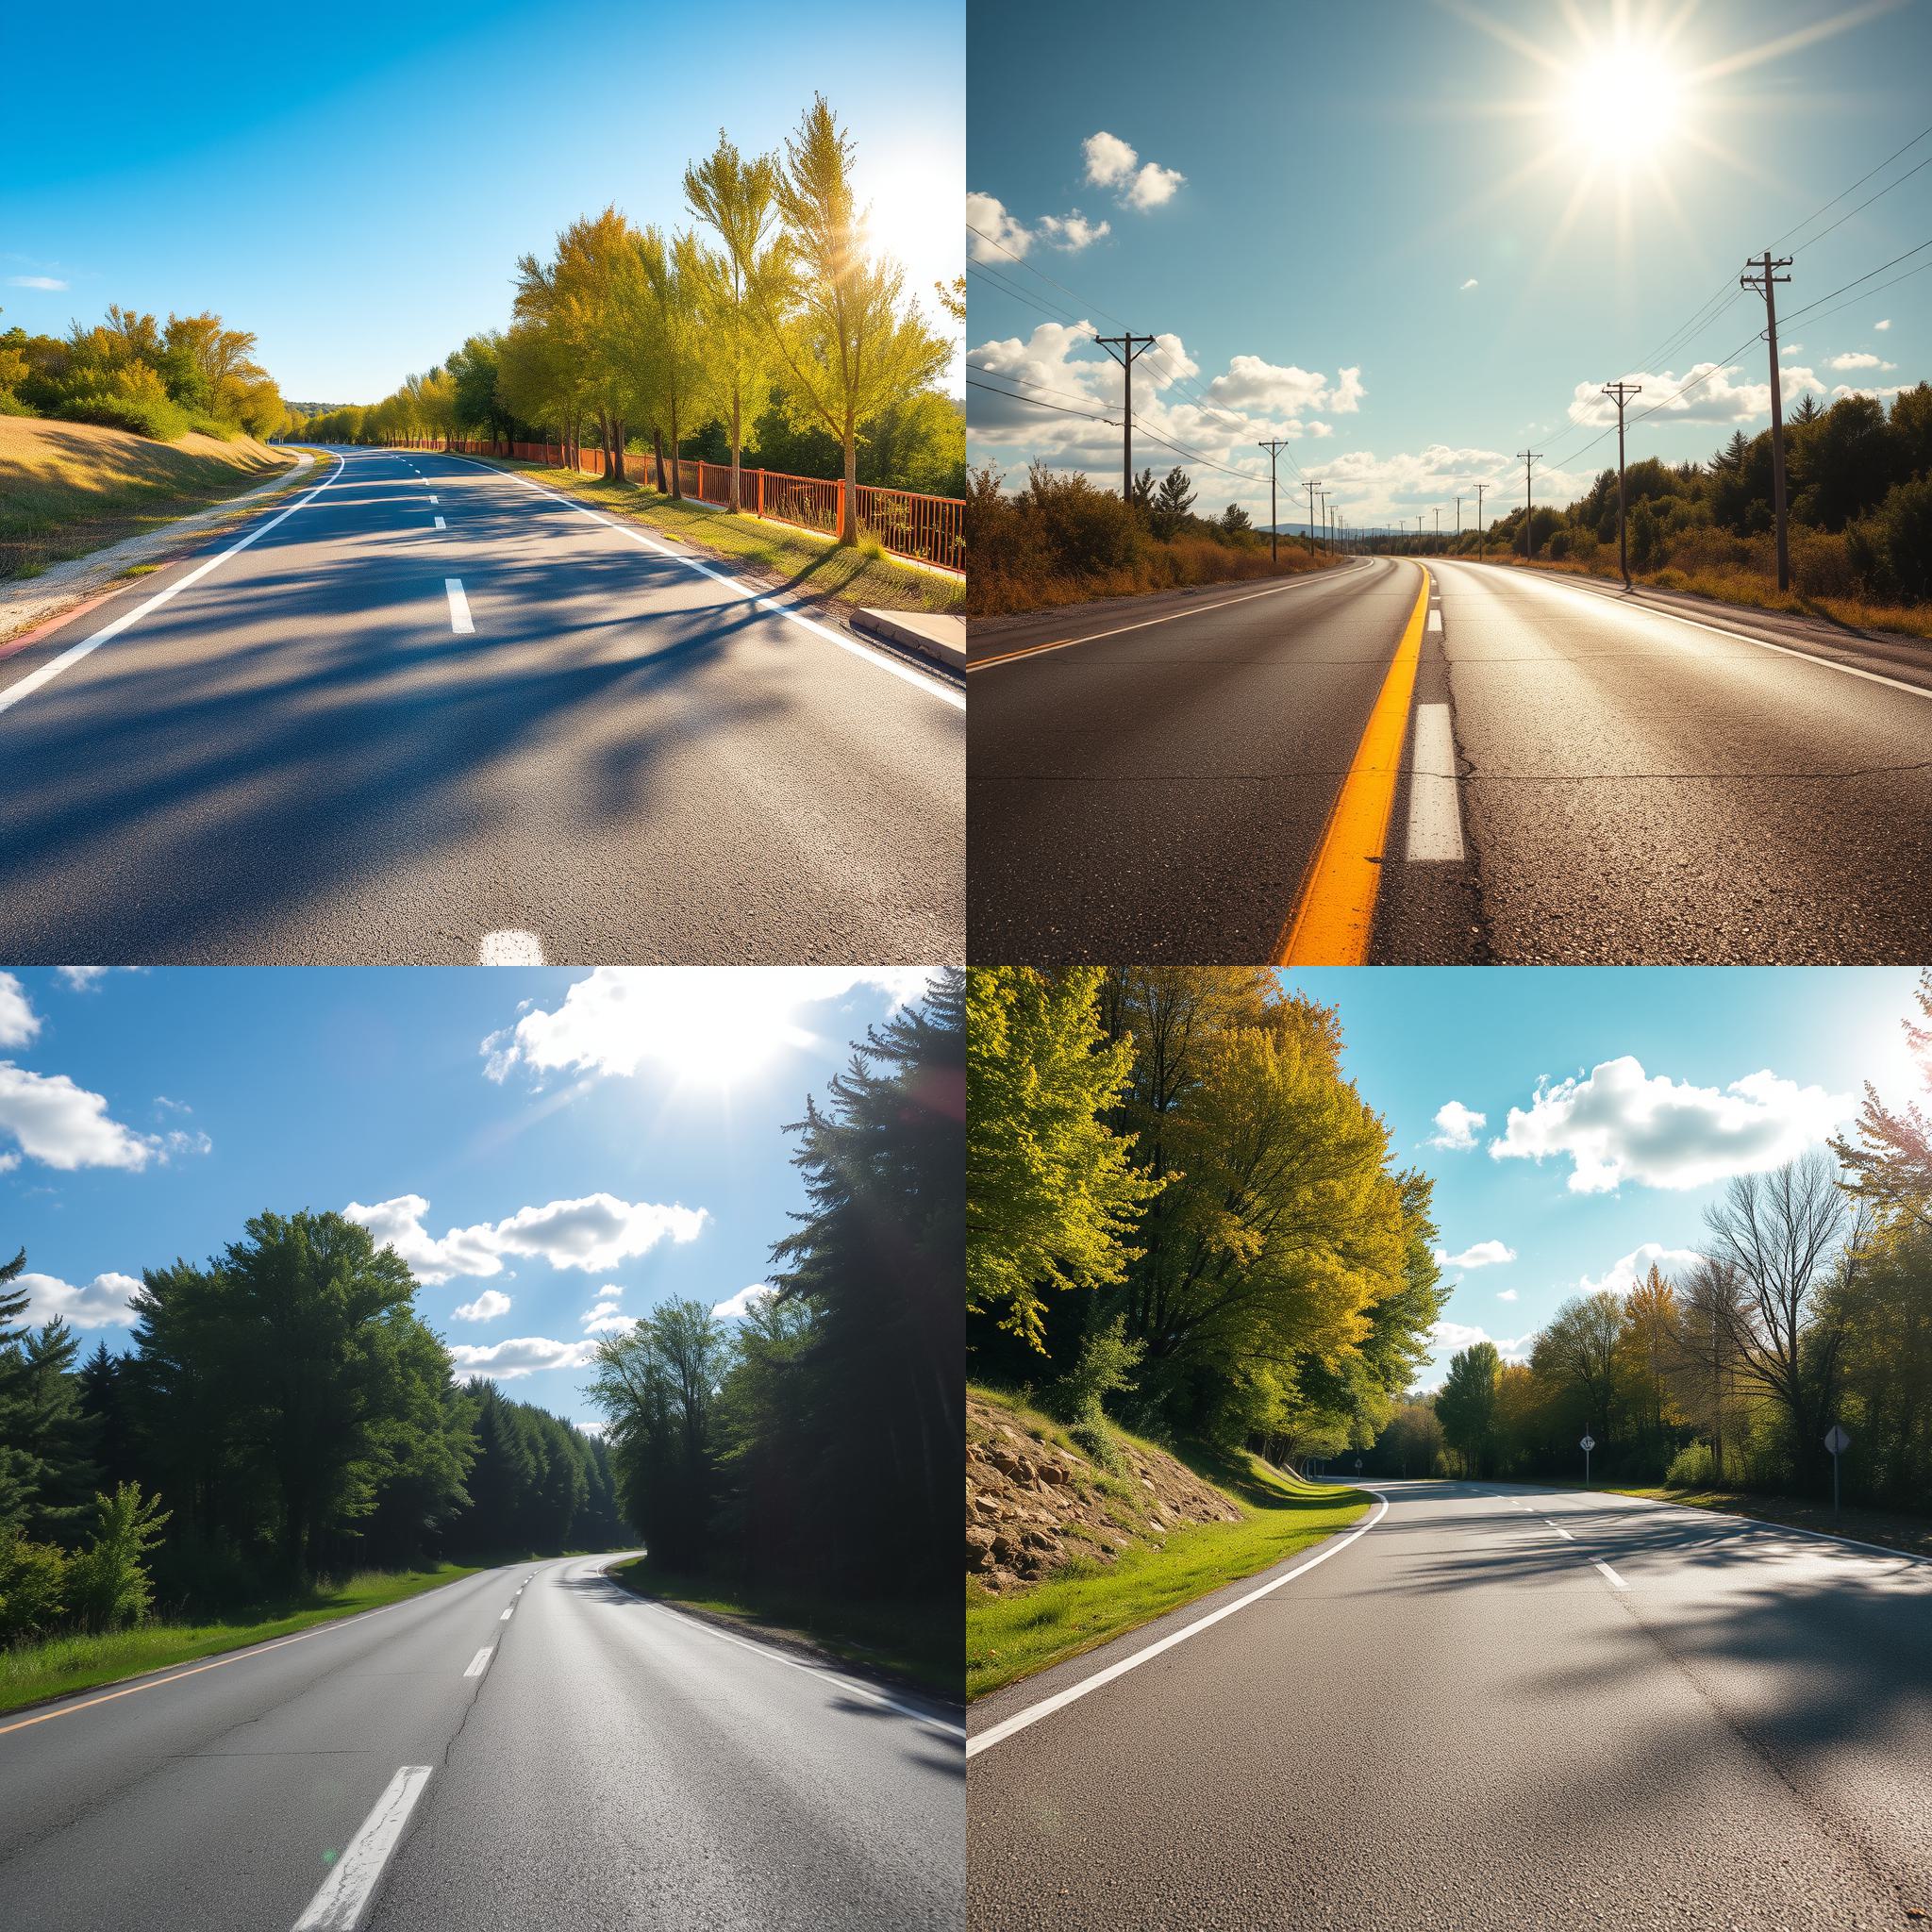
x=926, y=635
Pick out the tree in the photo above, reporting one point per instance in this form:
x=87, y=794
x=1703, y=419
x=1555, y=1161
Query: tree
x=1234, y=520
x=1466, y=1405
x=850, y=341
x=1704, y=1359
x=473, y=370
x=1578, y=1352
x=1172, y=504
x=738, y=283
x=1412, y=1443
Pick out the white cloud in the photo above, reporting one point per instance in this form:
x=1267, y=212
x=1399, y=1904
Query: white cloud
x=1468, y=285
x=1456, y=1125
x=81, y=977
x=1483, y=1255
x=18, y=1023
x=1878, y=395
x=593, y=1233
x=102, y=1303
x=700, y=1021
x=739, y=1304
x=1072, y=232
x=1617, y=1124
x=1716, y=397
x=1505, y=1294
x=1111, y=163
x=1858, y=358
x=486, y=1307
x=1451, y=1337
x=1886, y=324
x=1790, y=349
x=603, y=1317
x=35, y=282
x=527, y=1355
x=1624, y=1274
x=62, y=1125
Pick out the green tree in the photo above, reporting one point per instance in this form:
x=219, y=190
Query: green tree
x=1466, y=1405
x=1173, y=501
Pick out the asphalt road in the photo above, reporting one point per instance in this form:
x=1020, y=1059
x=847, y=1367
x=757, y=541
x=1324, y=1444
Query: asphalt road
x=1585, y=777
x=1500, y=1708
x=305, y=757
x=591, y=1761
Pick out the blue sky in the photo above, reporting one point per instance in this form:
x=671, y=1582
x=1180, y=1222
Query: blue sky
x=1756, y=1064
x=356, y=185
x=1422, y=195
x=576, y=1141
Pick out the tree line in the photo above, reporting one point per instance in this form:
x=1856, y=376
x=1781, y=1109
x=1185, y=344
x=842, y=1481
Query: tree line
x=160, y=380
x=1810, y=1306
x=283, y=1415
x=769, y=321
x=819, y=1442
x=1182, y=1214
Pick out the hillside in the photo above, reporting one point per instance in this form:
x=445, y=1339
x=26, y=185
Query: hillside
x=70, y=488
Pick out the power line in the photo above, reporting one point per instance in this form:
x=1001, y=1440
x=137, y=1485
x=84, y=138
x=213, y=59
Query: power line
x=1852, y=190
x=1034, y=403
x=1863, y=205
x=1856, y=279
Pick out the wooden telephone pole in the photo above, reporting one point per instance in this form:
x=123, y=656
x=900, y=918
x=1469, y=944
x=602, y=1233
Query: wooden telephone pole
x=1765, y=282
x=1620, y=393
x=1124, y=351
x=1529, y=457
x=1273, y=447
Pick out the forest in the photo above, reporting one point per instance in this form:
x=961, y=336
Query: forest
x=158, y=380
x=1810, y=1306
x=768, y=328
x=1182, y=1216
x=818, y=1443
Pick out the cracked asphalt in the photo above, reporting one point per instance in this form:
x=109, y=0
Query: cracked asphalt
x=1633, y=788
x=614, y=1765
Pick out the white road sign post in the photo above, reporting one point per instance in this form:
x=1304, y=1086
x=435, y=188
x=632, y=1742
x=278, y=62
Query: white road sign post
x=1588, y=1444
x=1837, y=1441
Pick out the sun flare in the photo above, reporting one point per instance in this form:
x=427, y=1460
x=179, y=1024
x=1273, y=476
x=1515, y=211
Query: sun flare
x=1623, y=104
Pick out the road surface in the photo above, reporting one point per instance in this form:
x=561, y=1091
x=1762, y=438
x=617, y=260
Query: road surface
x=1499, y=1708
x=437, y=703
x=1569, y=776
x=561, y=1756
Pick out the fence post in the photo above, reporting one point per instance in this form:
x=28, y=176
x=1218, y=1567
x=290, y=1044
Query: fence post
x=839, y=525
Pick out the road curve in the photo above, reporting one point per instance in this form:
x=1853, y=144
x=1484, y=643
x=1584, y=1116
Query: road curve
x=587, y=1760
x=1503, y=1707
x=320, y=752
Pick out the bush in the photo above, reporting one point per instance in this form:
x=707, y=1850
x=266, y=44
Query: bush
x=33, y=1588
x=163, y=420
x=1104, y=1365
x=201, y=421
x=1692, y=1467
x=107, y=1583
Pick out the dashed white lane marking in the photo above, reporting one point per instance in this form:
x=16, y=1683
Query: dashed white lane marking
x=480, y=1662
x=1615, y=1579
x=504, y=1618
x=432, y=499
x=74, y=653
x=458, y=606
x=1560, y=1531
x=1435, y=815
x=344, y=1894
x=510, y=947
x=1435, y=621
x=987, y=1739
x=439, y=524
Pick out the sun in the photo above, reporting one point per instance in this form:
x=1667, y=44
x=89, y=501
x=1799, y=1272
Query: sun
x=1624, y=104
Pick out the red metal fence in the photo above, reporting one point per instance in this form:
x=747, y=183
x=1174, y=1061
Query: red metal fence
x=931, y=529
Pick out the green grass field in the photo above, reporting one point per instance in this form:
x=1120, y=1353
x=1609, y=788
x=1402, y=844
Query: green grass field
x=30, y=1672
x=912, y=1642
x=1013, y=1636
x=809, y=565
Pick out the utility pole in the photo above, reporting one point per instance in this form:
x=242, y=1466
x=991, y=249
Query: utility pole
x=1529, y=457
x=1313, y=486
x=1459, y=517
x=1765, y=282
x=1620, y=393
x=1480, y=488
x=1273, y=449
x=1436, y=512
x=1122, y=349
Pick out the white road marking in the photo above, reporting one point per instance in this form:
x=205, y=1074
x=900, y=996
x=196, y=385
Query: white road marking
x=458, y=606
x=879, y=660
x=439, y=524
x=344, y=1894
x=504, y=1618
x=1560, y=1531
x=993, y=1734
x=1435, y=816
x=74, y=653
x=1611, y=1573
x=510, y=947
x=480, y=1662
x=1435, y=621
x=432, y=499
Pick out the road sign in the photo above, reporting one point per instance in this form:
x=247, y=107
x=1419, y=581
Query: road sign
x=1588, y=1444
x=1839, y=1441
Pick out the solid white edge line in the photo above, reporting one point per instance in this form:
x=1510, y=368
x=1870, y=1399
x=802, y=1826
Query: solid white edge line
x=1918, y=691
x=905, y=672
x=993, y=1734
x=344, y=1896
x=459, y=621
x=818, y=1670
x=1434, y=814
x=480, y=1662
x=1024, y=651
x=1617, y=1580
x=74, y=653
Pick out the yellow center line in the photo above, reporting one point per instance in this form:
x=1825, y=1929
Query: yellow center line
x=1335, y=916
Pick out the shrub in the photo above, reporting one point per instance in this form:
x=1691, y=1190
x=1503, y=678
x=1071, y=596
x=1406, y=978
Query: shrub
x=1692, y=1467
x=163, y=420
x=107, y=1583
x=211, y=425
x=1104, y=1365
x=33, y=1588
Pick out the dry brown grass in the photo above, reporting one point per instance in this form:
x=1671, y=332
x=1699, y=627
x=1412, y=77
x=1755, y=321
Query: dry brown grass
x=992, y=591
x=70, y=488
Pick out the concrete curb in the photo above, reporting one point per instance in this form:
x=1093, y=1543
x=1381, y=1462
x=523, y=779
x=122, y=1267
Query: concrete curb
x=932, y=634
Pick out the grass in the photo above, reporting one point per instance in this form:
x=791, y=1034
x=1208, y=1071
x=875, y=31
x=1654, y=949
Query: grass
x=1894, y=1530
x=807, y=564
x=67, y=489
x=908, y=1639
x=60, y=1665
x=1004, y=588
x=1088, y=1602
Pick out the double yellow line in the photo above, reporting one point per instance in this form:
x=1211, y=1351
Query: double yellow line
x=1335, y=914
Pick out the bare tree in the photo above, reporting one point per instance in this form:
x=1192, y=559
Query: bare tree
x=1704, y=1354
